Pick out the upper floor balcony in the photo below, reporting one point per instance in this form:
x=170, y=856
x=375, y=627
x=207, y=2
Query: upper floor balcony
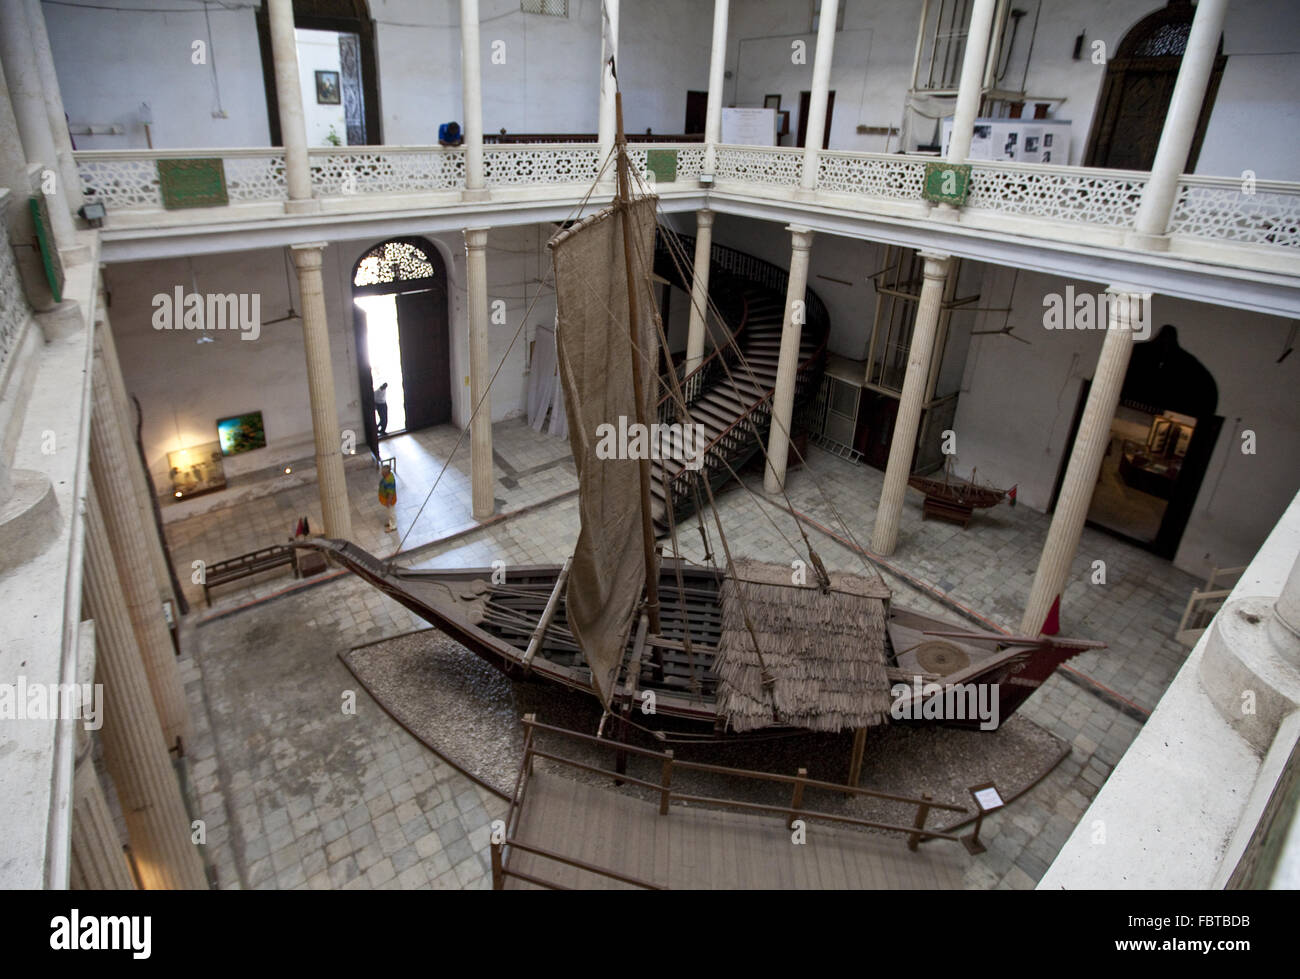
x=1074, y=218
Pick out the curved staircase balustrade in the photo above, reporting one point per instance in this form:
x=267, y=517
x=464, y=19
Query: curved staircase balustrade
x=731, y=399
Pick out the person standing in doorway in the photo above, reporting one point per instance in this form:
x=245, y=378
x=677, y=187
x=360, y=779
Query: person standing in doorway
x=381, y=408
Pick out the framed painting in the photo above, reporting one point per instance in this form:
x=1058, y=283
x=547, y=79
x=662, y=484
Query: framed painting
x=328, y=90
x=197, y=469
x=241, y=433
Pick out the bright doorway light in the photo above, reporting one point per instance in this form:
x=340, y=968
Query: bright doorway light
x=384, y=352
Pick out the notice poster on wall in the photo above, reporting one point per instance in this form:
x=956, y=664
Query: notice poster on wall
x=749, y=127
x=1021, y=140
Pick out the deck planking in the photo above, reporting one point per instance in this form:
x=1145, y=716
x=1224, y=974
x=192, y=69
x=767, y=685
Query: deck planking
x=705, y=849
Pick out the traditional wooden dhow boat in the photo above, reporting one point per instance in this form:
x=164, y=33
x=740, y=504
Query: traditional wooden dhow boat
x=741, y=648
x=962, y=492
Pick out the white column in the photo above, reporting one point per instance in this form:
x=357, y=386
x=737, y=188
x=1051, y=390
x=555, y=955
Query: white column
x=288, y=97
x=472, y=90
x=608, y=49
x=717, y=79
x=787, y=364
x=134, y=751
x=111, y=457
x=69, y=180
x=902, y=445
x=1180, y=126
x=1124, y=312
x=970, y=91
x=821, y=84
x=971, y=86
x=28, y=99
x=17, y=217
x=332, y=481
x=699, y=288
x=480, y=369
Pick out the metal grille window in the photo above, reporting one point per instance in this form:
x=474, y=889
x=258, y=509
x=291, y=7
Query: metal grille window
x=548, y=8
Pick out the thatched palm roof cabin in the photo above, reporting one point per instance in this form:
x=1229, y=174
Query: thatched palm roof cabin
x=824, y=651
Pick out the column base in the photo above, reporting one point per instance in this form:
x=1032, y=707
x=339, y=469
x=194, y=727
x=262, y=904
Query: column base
x=805, y=194
x=29, y=518
x=1146, y=242
x=477, y=195
x=309, y=206
x=945, y=212
x=61, y=321
x=1248, y=650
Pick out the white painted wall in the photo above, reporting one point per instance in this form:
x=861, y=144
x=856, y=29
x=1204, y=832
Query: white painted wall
x=109, y=61
x=319, y=51
x=184, y=386
x=541, y=74
x=1018, y=402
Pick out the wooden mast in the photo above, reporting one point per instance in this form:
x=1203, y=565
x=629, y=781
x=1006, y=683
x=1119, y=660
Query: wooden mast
x=624, y=199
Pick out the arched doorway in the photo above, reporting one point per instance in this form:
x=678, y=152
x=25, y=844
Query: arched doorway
x=1136, y=92
x=399, y=291
x=357, y=69
x=1161, y=438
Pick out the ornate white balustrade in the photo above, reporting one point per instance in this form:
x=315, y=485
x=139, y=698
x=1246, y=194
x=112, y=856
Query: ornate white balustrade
x=1108, y=198
x=1206, y=209
x=769, y=166
x=386, y=170
x=14, y=310
x=896, y=177
x=1266, y=212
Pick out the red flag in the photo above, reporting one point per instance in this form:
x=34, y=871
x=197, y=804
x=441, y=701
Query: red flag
x=1011, y=495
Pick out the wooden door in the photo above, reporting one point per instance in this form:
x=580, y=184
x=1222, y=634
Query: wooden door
x=366, y=381
x=876, y=416
x=697, y=104
x=805, y=98
x=426, y=358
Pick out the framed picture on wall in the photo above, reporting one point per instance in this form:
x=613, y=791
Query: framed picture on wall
x=772, y=102
x=241, y=433
x=783, y=122
x=328, y=91
x=197, y=469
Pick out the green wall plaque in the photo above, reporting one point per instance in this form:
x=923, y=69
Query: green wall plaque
x=663, y=164
x=192, y=183
x=45, y=241
x=947, y=183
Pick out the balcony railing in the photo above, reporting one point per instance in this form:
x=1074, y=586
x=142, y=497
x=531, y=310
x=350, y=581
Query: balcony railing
x=1210, y=209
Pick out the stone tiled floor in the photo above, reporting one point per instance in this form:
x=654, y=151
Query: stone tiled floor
x=530, y=468
x=279, y=768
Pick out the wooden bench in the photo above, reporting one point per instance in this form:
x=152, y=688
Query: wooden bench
x=247, y=565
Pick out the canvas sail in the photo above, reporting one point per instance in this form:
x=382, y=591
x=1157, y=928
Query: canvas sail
x=607, y=575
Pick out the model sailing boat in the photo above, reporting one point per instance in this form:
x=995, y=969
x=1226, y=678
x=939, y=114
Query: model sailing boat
x=740, y=648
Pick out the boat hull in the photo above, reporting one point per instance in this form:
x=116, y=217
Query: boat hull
x=496, y=618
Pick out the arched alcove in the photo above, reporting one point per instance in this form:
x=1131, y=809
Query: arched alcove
x=1161, y=438
x=1138, y=86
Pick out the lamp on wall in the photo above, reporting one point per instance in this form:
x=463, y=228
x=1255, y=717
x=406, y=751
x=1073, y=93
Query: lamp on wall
x=93, y=212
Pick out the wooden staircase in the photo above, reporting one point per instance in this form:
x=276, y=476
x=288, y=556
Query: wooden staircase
x=731, y=397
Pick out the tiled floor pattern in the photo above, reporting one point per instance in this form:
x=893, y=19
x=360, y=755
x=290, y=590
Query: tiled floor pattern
x=325, y=800
x=530, y=468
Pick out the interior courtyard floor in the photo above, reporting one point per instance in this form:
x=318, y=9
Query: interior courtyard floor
x=296, y=792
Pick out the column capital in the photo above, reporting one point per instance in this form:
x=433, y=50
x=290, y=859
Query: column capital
x=476, y=237
x=936, y=264
x=704, y=218
x=801, y=237
x=307, y=255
